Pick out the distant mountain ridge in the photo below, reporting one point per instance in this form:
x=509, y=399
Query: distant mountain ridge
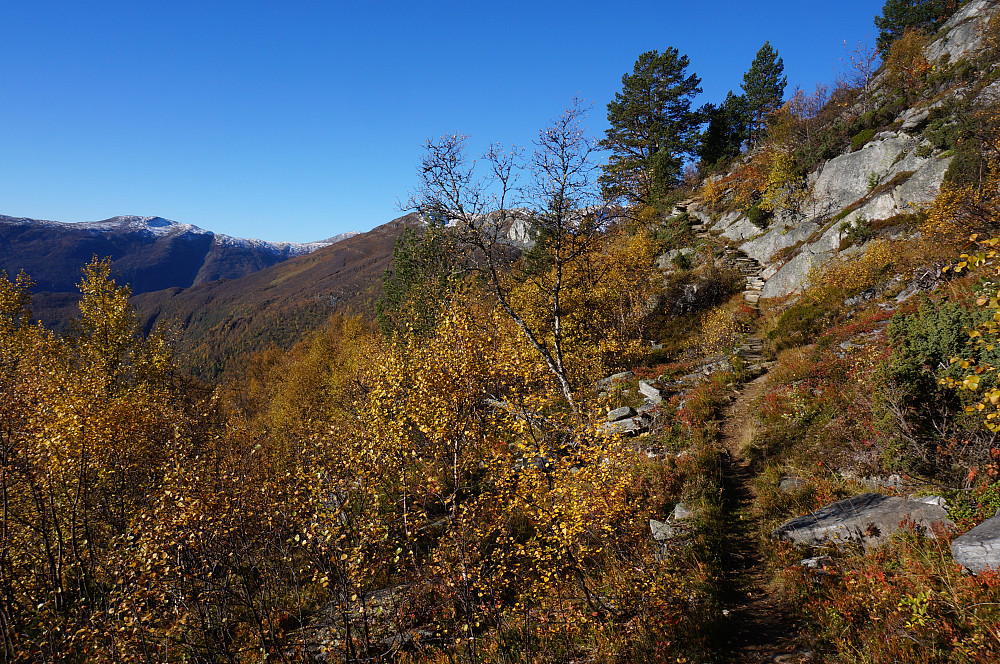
x=149, y=253
x=215, y=323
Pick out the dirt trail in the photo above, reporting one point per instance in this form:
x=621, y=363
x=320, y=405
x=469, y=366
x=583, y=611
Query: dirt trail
x=757, y=627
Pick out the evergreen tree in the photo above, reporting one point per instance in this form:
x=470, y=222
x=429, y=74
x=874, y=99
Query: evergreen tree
x=763, y=89
x=419, y=280
x=898, y=16
x=652, y=126
x=727, y=129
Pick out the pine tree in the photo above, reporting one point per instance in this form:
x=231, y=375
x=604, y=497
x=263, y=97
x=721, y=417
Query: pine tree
x=763, y=88
x=416, y=286
x=727, y=129
x=652, y=126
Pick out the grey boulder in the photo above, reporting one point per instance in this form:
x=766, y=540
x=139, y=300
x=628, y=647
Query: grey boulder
x=652, y=391
x=605, y=383
x=979, y=549
x=647, y=409
x=868, y=518
x=660, y=530
x=789, y=484
x=620, y=413
x=682, y=511
x=631, y=426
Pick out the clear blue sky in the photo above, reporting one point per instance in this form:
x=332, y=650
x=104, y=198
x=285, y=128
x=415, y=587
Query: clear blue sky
x=299, y=120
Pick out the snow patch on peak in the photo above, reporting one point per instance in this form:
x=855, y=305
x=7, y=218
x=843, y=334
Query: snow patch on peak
x=287, y=248
x=156, y=226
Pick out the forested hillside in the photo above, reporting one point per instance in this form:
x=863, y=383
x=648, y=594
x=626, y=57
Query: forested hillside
x=734, y=401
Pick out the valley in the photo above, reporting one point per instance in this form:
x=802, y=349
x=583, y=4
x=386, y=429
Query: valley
x=728, y=393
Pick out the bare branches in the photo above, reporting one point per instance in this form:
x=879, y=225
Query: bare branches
x=554, y=191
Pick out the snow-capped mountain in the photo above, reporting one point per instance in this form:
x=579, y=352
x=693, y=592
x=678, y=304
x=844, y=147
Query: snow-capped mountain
x=158, y=227
x=149, y=253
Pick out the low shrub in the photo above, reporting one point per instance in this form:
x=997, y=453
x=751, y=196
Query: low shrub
x=861, y=138
x=857, y=233
x=759, y=217
x=906, y=601
x=798, y=325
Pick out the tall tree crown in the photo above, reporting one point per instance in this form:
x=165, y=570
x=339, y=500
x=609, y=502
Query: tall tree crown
x=651, y=123
x=763, y=88
x=727, y=129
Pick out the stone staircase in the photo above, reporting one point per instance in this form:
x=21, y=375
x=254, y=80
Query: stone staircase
x=733, y=258
x=751, y=271
x=752, y=350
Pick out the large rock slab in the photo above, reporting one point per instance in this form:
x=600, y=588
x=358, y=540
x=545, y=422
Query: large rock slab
x=846, y=178
x=979, y=549
x=964, y=31
x=661, y=530
x=869, y=518
x=652, y=390
x=736, y=226
x=924, y=186
x=781, y=235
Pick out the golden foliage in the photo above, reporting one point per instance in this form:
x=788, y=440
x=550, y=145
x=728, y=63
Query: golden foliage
x=537, y=529
x=768, y=178
x=713, y=191
x=606, y=297
x=87, y=425
x=983, y=260
x=723, y=327
x=973, y=206
x=906, y=64
x=843, y=276
x=437, y=491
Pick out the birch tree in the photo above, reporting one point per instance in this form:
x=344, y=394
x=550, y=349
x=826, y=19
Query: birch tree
x=553, y=191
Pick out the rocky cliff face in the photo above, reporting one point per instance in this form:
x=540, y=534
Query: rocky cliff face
x=897, y=172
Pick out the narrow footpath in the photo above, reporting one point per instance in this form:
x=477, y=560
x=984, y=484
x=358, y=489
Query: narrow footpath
x=756, y=627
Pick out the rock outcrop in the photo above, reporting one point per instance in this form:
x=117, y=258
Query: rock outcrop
x=868, y=518
x=963, y=32
x=979, y=549
x=895, y=172
x=886, y=178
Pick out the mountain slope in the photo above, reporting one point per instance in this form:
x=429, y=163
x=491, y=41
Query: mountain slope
x=221, y=321
x=896, y=148
x=149, y=253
